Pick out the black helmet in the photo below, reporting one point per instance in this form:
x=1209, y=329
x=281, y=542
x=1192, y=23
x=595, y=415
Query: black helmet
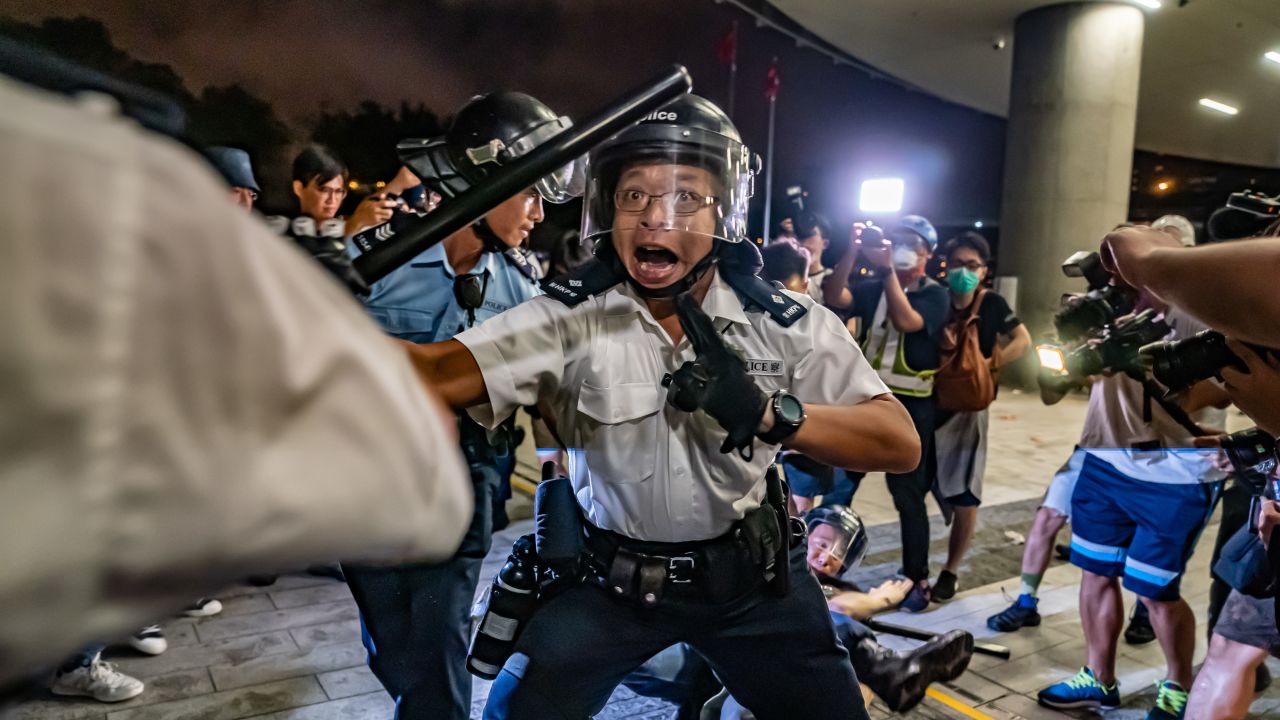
x=485, y=134
x=692, y=131
x=850, y=544
x=689, y=132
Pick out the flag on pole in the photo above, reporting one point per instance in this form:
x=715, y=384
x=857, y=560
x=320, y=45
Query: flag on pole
x=772, y=81
x=727, y=50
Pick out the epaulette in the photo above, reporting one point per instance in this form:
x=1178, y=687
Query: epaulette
x=770, y=298
x=591, y=278
x=523, y=263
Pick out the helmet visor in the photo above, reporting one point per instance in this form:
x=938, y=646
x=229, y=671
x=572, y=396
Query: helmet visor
x=669, y=179
x=562, y=184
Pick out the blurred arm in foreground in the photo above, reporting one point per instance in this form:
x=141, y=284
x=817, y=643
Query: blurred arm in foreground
x=185, y=399
x=1231, y=287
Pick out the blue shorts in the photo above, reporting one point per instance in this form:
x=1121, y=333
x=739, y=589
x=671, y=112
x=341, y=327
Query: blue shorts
x=1142, y=530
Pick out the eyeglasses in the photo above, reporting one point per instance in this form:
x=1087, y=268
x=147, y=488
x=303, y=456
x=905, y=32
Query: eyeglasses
x=972, y=265
x=682, y=202
x=329, y=192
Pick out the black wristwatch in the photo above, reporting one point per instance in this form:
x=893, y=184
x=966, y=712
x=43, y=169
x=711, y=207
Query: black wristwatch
x=788, y=416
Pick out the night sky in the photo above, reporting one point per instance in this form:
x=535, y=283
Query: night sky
x=835, y=126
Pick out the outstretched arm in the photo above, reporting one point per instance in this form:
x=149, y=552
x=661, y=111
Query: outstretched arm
x=876, y=434
x=450, y=370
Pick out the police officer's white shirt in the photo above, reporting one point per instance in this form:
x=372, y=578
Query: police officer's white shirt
x=641, y=467
x=1114, y=424
x=185, y=398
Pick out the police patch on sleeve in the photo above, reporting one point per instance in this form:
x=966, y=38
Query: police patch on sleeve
x=755, y=366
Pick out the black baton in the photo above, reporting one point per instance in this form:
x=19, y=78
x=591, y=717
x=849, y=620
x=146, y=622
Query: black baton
x=457, y=213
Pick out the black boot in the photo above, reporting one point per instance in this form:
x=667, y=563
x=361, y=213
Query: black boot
x=900, y=679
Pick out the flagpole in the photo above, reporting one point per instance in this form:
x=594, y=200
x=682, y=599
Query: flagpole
x=768, y=176
x=733, y=68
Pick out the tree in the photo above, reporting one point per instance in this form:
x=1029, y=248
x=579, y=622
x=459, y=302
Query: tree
x=366, y=138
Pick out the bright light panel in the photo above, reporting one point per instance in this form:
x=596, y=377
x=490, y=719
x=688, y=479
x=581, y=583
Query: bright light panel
x=1051, y=358
x=977, y=223
x=882, y=195
x=1220, y=107
x=1152, y=4
x=1273, y=56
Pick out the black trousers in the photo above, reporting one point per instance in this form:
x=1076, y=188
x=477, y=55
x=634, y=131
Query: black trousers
x=779, y=657
x=1236, y=499
x=416, y=619
x=910, y=489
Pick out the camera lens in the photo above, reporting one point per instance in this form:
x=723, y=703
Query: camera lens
x=1179, y=364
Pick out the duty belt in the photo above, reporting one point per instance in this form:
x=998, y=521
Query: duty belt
x=707, y=571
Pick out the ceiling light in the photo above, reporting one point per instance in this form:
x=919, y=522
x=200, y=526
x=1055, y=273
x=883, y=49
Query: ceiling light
x=1150, y=4
x=1220, y=107
x=1273, y=56
x=977, y=223
x=1162, y=185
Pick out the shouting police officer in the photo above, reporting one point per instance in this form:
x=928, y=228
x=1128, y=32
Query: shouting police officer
x=416, y=617
x=670, y=474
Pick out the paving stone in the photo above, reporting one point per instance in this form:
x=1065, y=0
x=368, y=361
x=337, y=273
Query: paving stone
x=283, y=582
x=241, y=605
x=1021, y=706
x=315, y=595
x=326, y=634
x=371, y=705
x=975, y=689
x=217, y=628
x=230, y=650
x=349, y=682
x=160, y=689
x=242, y=703
x=287, y=665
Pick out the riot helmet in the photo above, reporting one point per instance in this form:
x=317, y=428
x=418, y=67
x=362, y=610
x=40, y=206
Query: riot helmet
x=838, y=540
x=681, y=171
x=487, y=133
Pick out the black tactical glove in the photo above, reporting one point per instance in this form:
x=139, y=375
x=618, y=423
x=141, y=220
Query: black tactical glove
x=716, y=381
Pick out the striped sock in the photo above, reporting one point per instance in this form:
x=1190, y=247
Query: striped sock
x=1030, y=584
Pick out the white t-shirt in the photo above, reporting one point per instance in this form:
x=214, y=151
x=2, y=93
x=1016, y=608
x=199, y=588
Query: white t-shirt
x=640, y=466
x=1114, y=428
x=815, y=284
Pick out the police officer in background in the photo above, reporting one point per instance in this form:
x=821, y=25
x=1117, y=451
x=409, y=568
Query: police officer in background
x=669, y=476
x=416, y=617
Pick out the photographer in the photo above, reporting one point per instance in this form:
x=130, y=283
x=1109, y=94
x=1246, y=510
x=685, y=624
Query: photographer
x=902, y=314
x=1141, y=499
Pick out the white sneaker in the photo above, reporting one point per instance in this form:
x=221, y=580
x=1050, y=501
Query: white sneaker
x=100, y=681
x=204, y=607
x=149, y=640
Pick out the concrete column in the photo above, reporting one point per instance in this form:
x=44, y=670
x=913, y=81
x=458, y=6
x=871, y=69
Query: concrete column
x=1069, y=148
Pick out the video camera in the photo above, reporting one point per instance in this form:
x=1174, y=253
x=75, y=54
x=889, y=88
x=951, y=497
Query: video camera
x=1097, y=339
x=1083, y=315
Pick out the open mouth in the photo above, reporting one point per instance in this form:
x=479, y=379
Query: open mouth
x=654, y=263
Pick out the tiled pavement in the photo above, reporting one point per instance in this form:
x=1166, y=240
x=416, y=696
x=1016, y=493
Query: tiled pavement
x=292, y=651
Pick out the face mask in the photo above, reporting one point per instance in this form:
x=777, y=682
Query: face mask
x=962, y=280
x=904, y=258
